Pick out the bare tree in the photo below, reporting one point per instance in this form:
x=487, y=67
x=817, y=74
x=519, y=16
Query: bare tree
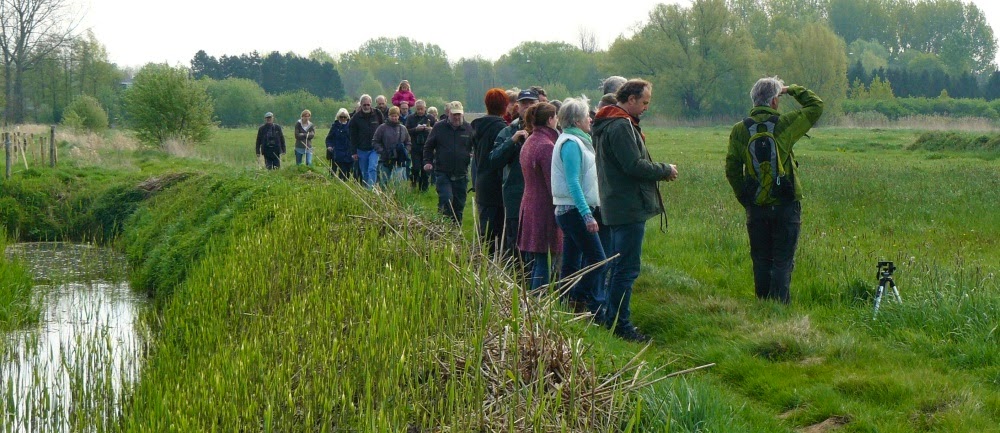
x=588, y=40
x=29, y=31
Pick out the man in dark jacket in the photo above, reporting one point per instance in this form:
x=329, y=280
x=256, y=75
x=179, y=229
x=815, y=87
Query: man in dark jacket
x=448, y=152
x=488, y=180
x=362, y=127
x=270, y=142
x=419, y=125
x=506, y=156
x=627, y=179
x=773, y=220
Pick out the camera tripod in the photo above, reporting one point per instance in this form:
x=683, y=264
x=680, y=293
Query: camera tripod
x=884, y=274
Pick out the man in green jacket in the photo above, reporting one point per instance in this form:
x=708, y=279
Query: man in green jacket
x=627, y=182
x=773, y=220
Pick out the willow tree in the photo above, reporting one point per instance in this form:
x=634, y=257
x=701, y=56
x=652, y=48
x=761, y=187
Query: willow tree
x=700, y=60
x=814, y=57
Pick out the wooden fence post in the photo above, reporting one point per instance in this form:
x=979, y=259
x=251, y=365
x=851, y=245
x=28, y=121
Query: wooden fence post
x=52, y=146
x=6, y=147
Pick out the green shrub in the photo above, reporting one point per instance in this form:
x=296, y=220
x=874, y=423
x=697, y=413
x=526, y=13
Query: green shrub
x=85, y=113
x=164, y=103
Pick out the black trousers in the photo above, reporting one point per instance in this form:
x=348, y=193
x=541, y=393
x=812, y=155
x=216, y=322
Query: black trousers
x=491, y=222
x=774, y=236
x=272, y=158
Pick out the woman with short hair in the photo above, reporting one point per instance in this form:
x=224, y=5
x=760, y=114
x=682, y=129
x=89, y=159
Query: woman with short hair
x=575, y=196
x=338, y=146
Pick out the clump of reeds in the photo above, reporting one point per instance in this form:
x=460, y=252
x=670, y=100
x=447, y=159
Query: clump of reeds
x=535, y=377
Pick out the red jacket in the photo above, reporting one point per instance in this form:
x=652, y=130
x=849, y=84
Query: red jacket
x=401, y=96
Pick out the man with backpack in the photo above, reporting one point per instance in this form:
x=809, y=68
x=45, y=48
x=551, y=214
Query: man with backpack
x=761, y=168
x=270, y=142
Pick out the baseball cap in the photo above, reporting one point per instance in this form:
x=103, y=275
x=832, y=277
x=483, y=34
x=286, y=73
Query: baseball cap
x=268, y=114
x=455, y=107
x=527, y=94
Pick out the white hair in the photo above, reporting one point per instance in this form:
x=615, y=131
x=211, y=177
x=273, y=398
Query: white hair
x=573, y=110
x=766, y=89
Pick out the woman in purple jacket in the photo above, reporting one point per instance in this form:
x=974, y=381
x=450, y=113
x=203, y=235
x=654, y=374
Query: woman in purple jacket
x=539, y=236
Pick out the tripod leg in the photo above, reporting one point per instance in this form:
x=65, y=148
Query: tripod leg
x=878, y=297
x=895, y=292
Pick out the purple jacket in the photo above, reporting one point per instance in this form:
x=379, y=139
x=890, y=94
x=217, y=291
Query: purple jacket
x=539, y=232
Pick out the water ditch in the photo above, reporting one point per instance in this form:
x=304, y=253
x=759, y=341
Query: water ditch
x=73, y=371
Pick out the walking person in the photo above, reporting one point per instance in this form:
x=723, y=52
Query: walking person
x=576, y=197
x=338, y=146
x=392, y=143
x=488, y=182
x=761, y=168
x=270, y=142
x=447, y=153
x=304, y=133
x=419, y=125
x=539, y=235
x=629, y=194
x=362, y=128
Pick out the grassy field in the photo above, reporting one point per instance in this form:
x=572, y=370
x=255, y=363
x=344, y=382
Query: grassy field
x=285, y=305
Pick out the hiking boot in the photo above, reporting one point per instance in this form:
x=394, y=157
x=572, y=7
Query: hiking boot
x=631, y=334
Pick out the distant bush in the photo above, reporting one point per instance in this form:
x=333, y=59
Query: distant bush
x=163, y=103
x=936, y=141
x=85, y=113
x=902, y=107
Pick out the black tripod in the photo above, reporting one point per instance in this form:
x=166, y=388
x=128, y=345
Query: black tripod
x=884, y=274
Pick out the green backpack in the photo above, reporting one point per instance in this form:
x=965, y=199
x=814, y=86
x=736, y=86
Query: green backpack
x=773, y=184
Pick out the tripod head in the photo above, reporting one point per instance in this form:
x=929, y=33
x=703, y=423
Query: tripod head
x=885, y=270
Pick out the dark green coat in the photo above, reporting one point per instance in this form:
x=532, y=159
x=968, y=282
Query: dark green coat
x=626, y=175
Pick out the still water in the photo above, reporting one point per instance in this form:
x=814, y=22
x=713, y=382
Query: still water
x=73, y=370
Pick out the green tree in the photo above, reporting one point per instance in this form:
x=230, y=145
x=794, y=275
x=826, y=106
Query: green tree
x=547, y=63
x=164, y=103
x=477, y=77
x=86, y=113
x=954, y=31
x=237, y=101
x=863, y=20
x=699, y=59
x=815, y=57
x=880, y=90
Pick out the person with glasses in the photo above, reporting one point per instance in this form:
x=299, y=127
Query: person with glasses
x=305, y=131
x=338, y=146
x=362, y=128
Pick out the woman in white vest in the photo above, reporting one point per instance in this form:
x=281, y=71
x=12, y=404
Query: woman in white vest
x=574, y=193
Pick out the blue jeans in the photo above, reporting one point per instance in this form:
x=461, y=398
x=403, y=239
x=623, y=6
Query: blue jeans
x=308, y=154
x=580, y=250
x=452, y=190
x=368, y=163
x=540, y=270
x=626, y=240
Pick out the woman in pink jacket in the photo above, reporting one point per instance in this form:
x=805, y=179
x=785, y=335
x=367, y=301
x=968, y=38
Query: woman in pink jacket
x=403, y=93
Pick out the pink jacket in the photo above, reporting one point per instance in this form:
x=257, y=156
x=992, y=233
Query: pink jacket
x=401, y=96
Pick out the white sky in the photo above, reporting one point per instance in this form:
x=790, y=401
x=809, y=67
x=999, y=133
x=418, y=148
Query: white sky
x=139, y=32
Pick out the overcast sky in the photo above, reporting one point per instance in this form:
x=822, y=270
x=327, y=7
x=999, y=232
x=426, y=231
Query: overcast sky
x=139, y=32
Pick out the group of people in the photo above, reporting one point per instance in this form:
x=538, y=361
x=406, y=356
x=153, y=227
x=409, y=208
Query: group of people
x=557, y=182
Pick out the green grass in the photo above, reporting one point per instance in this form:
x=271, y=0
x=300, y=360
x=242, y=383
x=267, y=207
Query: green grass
x=286, y=305
x=17, y=306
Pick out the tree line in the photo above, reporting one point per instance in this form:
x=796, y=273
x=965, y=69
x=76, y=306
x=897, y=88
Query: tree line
x=701, y=57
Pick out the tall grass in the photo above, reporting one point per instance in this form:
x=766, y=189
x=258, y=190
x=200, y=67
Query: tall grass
x=18, y=308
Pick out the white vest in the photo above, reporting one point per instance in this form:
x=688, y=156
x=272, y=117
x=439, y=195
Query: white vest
x=588, y=174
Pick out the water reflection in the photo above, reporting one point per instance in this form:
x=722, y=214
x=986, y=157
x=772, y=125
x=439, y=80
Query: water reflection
x=72, y=372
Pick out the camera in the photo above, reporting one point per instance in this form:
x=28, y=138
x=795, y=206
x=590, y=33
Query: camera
x=885, y=269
